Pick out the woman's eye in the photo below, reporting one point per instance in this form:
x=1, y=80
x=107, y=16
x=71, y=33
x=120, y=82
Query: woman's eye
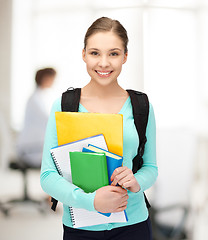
x=94, y=53
x=114, y=53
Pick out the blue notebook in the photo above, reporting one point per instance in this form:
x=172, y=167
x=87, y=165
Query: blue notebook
x=113, y=160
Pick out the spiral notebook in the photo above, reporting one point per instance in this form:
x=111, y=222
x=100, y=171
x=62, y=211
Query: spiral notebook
x=81, y=217
x=60, y=154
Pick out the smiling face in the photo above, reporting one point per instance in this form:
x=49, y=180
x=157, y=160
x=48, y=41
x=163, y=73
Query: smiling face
x=104, y=57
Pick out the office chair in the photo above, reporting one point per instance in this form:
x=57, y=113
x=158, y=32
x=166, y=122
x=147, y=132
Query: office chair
x=163, y=231
x=3, y=209
x=18, y=165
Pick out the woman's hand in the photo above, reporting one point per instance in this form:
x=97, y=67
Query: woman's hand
x=110, y=199
x=125, y=178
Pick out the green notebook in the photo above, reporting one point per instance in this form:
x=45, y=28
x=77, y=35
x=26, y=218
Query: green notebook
x=89, y=170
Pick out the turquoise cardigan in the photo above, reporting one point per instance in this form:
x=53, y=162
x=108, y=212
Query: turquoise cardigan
x=70, y=195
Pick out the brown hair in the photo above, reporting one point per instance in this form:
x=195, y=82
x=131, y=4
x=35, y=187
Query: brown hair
x=42, y=73
x=105, y=24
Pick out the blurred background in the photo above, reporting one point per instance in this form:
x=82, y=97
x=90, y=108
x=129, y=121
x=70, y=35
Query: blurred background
x=167, y=59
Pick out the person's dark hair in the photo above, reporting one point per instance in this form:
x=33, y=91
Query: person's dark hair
x=105, y=24
x=42, y=73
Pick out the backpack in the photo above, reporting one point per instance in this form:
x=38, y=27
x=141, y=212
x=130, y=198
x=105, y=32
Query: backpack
x=140, y=104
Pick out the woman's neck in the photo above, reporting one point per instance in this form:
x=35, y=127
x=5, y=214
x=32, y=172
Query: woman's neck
x=95, y=90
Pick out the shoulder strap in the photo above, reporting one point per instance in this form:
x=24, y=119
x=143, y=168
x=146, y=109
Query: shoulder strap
x=69, y=103
x=140, y=105
x=70, y=100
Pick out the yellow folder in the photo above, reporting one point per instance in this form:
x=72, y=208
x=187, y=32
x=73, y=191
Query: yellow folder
x=73, y=126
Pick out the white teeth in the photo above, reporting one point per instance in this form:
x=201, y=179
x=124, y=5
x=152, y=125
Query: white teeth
x=103, y=73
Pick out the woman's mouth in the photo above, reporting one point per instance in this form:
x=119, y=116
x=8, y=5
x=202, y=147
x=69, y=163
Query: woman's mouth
x=103, y=74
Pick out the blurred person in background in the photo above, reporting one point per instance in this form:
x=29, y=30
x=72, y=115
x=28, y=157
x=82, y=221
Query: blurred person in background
x=30, y=140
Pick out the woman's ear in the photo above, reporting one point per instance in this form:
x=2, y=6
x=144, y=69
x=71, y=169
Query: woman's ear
x=125, y=57
x=83, y=55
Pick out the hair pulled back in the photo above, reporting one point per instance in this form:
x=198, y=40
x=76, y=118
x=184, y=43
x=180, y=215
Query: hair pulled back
x=105, y=24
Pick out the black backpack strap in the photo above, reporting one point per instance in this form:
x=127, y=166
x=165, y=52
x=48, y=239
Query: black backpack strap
x=69, y=103
x=140, y=105
x=54, y=203
x=70, y=100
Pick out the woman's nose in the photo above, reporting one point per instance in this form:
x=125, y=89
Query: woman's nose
x=103, y=62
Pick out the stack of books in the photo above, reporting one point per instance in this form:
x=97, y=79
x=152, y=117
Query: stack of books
x=90, y=148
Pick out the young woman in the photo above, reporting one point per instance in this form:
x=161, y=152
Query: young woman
x=105, y=51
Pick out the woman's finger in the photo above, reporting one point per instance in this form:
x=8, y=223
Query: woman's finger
x=118, y=171
x=124, y=180
x=125, y=198
x=120, y=209
x=127, y=184
x=124, y=203
x=118, y=189
x=126, y=173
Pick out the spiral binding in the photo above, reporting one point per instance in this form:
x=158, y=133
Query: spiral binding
x=60, y=172
x=72, y=216
x=57, y=164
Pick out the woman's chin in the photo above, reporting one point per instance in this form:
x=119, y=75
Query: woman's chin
x=105, y=83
